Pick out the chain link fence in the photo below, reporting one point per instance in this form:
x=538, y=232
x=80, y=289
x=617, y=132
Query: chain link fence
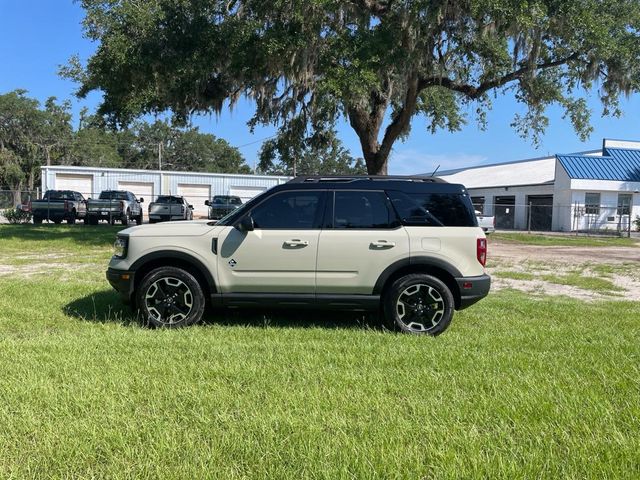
x=594, y=219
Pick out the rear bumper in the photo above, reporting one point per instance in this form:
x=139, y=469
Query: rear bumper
x=472, y=289
x=123, y=282
x=165, y=218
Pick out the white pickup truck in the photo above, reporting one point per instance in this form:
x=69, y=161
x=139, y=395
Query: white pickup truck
x=487, y=223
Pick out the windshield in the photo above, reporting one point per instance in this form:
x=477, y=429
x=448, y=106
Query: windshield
x=113, y=196
x=58, y=195
x=168, y=200
x=226, y=200
x=234, y=215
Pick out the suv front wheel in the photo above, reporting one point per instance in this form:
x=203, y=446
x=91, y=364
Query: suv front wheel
x=170, y=297
x=420, y=304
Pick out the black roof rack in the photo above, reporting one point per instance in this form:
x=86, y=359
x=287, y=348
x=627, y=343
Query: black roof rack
x=355, y=178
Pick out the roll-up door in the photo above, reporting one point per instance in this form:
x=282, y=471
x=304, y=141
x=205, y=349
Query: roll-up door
x=139, y=189
x=196, y=195
x=76, y=183
x=246, y=193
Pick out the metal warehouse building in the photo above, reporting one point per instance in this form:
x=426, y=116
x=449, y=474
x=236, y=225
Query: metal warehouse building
x=588, y=191
x=149, y=184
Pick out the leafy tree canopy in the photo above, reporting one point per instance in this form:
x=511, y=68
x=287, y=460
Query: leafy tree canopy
x=377, y=63
x=287, y=155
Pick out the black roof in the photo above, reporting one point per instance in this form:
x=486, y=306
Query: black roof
x=416, y=184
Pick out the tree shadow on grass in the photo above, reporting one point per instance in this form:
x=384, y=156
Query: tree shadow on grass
x=106, y=306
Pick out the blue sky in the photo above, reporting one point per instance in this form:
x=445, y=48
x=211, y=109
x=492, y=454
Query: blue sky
x=36, y=36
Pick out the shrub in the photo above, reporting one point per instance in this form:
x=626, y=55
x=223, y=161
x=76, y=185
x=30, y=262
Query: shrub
x=637, y=223
x=15, y=215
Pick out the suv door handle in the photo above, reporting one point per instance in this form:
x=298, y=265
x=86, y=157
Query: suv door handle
x=381, y=245
x=295, y=243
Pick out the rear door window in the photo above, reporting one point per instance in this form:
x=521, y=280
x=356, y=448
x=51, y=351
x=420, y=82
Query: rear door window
x=363, y=210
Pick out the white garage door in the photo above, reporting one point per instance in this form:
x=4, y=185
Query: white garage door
x=77, y=183
x=196, y=195
x=139, y=189
x=246, y=193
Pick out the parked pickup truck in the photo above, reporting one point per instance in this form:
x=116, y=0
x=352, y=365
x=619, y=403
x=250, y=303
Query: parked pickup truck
x=59, y=205
x=115, y=205
x=221, y=205
x=170, y=207
x=488, y=224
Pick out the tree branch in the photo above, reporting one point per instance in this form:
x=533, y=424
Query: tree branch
x=474, y=92
x=376, y=7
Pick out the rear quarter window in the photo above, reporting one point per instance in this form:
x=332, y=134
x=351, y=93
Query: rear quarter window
x=434, y=209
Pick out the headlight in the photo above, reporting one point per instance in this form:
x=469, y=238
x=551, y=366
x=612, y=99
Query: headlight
x=120, y=247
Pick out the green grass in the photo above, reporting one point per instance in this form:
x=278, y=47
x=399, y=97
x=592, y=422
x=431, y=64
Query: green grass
x=596, y=284
x=518, y=387
x=558, y=240
x=514, y=275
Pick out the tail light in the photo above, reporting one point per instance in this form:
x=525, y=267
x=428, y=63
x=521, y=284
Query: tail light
x=481, y=250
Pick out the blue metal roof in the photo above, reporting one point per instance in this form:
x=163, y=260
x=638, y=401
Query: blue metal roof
x=616, y=164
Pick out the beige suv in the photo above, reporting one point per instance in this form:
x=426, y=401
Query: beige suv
x=409, y=246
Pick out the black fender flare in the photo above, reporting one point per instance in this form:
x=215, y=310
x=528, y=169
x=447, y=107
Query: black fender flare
x=176, y=255
x=414, y=261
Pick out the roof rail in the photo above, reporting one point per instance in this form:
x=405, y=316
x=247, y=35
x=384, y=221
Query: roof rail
x=355, y=178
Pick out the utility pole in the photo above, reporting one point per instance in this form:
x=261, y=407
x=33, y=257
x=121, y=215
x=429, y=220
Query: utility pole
x=160, y=165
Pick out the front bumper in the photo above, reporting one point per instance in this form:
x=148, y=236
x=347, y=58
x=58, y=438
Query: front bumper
x=123, y=282
x=473, y=289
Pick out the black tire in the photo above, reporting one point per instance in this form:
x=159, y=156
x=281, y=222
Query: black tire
x=37, y=220
x=152, y=221
x=72, y=218
x=419, y=304
x=57, y=221
x=170, y=297
x=139, y=219
x=125, y=218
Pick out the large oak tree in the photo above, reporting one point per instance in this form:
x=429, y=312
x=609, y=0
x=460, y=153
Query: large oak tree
x=377, y=63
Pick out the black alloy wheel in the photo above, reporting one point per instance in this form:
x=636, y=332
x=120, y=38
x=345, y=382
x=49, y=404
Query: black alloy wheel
x=170, y=297
x=419, y=304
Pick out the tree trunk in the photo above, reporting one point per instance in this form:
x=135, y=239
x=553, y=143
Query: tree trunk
x=367, y=126
x=17, y=197
x=376, y=161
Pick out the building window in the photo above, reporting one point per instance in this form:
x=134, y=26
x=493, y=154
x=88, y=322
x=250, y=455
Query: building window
x=592, y=203
x=478, y=204
x=624, y=203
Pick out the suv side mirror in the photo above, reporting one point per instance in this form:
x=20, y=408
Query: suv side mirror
x=245, y=224
x=207, y=203
x=191, y=207
x=141, y=200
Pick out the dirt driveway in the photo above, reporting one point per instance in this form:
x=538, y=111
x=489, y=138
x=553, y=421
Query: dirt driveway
x=588, y=273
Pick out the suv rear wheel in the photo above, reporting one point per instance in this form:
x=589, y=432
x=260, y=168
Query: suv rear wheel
x=419, y=304
x=170, y=297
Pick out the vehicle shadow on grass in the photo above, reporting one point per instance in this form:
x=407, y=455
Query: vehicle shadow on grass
x=106, y=306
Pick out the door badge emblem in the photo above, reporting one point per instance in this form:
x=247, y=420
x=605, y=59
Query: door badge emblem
x=232, y=263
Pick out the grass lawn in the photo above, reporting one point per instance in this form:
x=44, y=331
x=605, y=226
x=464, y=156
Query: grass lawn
x=517, y=387
x=562, y=240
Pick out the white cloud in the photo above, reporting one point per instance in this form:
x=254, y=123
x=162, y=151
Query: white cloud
x=412, y=162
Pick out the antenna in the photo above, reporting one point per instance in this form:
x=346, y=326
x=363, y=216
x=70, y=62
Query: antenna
x=434, y=172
